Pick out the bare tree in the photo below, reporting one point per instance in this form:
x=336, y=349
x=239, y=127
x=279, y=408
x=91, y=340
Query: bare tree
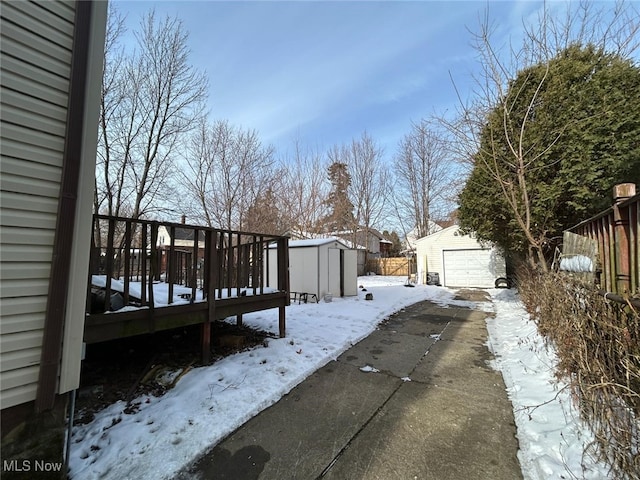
x=150, y=100
x=613, y=26
x=109, y=167
x=266, y=215
x=302, y=188
x=494, y=130
x=226, y=171
x=368, y=184
x=423, y=174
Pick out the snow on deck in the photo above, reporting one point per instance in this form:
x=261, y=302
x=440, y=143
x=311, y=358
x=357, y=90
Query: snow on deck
x=180, y=293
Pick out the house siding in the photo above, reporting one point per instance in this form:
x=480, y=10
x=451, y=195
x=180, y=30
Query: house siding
x=429, y=251
x=37, y=41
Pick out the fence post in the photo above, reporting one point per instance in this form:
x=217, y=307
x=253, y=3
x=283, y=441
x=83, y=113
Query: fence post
x=621, y=236
x=634, y=240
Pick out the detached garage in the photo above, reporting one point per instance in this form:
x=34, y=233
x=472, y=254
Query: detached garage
x=319, y=267
x=459, y=260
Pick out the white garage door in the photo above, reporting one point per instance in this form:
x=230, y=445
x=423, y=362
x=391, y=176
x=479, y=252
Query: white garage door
x=468, y=268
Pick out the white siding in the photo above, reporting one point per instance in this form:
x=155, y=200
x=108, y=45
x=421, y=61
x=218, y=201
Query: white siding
x=37, y=41
x=430, y=254
x=36, y=64
x=164, y=239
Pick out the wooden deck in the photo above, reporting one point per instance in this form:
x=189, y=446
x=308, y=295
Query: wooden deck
x=147, y=276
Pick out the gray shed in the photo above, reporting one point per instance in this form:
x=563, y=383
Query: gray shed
x=319, y=266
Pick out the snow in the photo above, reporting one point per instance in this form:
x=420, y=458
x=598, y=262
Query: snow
x=180, y=296
x=167, y=433
x=576, y=263
x=313, y=242
x=552, y=439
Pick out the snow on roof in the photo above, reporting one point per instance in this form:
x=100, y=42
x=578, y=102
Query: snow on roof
x=312, y=242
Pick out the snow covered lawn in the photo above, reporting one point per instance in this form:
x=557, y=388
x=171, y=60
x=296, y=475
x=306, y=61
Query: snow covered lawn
x=208, y=403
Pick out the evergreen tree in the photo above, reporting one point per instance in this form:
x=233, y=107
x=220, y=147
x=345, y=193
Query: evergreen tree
x=341, y=216
x=396, y=244
x=550, y=152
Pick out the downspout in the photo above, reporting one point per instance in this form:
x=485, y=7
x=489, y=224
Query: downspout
x=63, y=240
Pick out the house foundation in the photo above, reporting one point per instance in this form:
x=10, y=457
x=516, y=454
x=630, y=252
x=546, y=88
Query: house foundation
x=33, y=443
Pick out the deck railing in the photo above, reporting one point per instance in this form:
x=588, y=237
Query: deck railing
x=149, y=264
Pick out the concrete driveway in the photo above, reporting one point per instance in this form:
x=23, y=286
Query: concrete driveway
x=416, y=399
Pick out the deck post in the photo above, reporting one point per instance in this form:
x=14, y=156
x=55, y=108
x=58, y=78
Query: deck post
x=170, y=270
x=281, y=322
x=194, y=265
x=283, y=281
x=153, y=272
x=210, y=275
x=206, y=341
x=109, y=264
x=143, y=266
x=127, y=261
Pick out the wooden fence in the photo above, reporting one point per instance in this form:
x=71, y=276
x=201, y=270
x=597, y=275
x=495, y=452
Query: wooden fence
x=610, y=239
x=392, y=266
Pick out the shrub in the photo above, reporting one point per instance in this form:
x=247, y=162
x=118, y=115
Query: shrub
x=598, y=347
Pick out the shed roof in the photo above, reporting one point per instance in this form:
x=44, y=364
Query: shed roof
x=313, y=242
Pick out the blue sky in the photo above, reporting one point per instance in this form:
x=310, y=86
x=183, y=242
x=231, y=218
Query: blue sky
x=325, y=72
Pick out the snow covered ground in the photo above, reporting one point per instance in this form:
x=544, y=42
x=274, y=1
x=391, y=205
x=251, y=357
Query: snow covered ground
x=208, y=403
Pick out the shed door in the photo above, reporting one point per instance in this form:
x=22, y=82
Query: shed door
x=467, y=268
x=335, y=272
x=350, y=273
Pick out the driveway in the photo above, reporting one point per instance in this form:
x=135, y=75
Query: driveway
x=416, y=399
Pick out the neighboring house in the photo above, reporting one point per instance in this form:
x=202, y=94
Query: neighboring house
x=51, y=63
x=319, y=266
x=458, y=260
x=385, y=247
x=371, y=239
x=183, y=238
x=368, y=243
